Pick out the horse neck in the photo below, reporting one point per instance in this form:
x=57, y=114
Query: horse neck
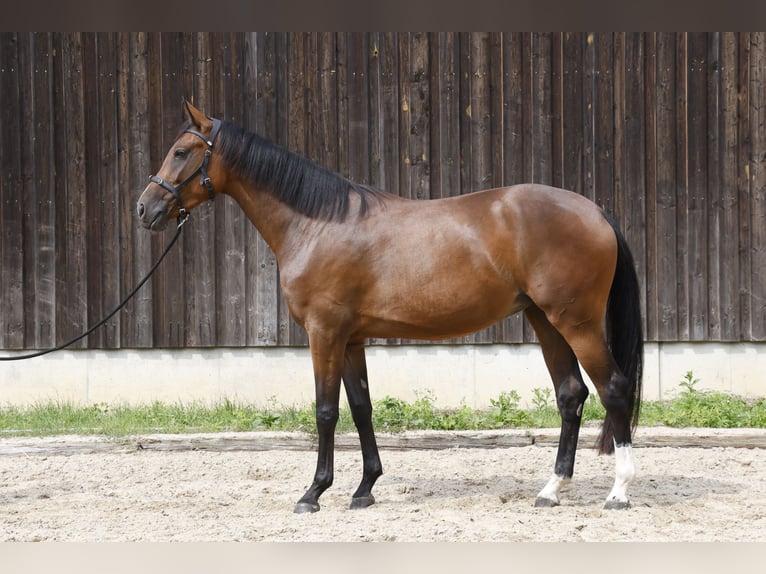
x=279, y=225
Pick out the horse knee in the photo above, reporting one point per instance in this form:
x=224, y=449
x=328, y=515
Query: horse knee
x=570, y=398
x=326, y=416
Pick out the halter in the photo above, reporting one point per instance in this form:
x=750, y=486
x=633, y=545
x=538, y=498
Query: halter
x=205, y=181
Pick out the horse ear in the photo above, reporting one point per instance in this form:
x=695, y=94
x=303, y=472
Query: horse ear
x=196, y=116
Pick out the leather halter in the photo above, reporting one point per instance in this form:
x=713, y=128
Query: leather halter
x=205, y=181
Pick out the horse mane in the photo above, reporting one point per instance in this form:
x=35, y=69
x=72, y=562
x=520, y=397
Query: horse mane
x=307, y=187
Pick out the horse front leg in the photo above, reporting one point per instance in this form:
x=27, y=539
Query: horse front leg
x=358, y=392
x=327, y=358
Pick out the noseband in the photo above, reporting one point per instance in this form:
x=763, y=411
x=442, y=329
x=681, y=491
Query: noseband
x=202, y=170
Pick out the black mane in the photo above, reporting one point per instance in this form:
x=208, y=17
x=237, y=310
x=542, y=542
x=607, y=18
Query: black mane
x=294, y=179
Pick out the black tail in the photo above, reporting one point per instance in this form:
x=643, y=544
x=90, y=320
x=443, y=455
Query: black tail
x=626, y=338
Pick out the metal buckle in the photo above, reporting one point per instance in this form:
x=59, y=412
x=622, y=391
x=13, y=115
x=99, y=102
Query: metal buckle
x=183, y=217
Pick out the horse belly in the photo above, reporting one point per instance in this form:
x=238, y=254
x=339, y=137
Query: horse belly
x=440, y=311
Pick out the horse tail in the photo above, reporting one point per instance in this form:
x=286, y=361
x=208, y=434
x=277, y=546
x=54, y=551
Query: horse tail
x=625, y=333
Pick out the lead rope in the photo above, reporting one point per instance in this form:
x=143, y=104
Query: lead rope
x=181, y=221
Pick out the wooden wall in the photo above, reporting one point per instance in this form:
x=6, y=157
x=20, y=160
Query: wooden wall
x=666, y=130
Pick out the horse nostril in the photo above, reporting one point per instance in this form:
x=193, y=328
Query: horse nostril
x=141, y=210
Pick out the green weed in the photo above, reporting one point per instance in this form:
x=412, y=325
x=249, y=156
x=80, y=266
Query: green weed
x=692, y=407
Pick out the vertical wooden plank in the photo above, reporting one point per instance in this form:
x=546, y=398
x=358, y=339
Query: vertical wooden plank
x=445, y=112
x=159, y=140
x=603, y=176
x=758, y=182
x=480, y=134
x=419, y=144
x=496, y=119
x=682, y=187
x=261, y=117
x=11, y=200
x=666, y=137
x=231, y=319
x=652, y=158
x=557, y=109
x=136, y=324
x=697, y=188
x=542, y=146
x=27, y=191
x=414, y=125
x=651, y=107
x=632, y=199
x=375, y=106
x=589, y=110
x=105, y=158
x=389, y=122
x=744, y=145
x=464, y=108
x=297, y=133
x=514, y=142
x=124, y=155
x=281, y=136
x=354, y=137
x=384, y=119
x=343, y=62
x=478, y=112
x=93, y=231
x=169, y=88
x=530, y=167
x=619, y=128
x=713, y=195
x=199, y=257
x=728, y=218
x=71, y=254
x=573, y=111
x=43, y=286
x=313, y=149
x=158, y=143
x=139, y=328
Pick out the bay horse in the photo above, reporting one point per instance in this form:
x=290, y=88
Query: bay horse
x=352, y=267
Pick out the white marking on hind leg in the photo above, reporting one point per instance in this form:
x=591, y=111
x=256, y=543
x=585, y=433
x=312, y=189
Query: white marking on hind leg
x=551, y=490
x=625, y=470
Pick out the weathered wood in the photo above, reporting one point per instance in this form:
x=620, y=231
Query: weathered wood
x=666, y=183
x=652, y=281
x=699, y=192
x=727, y=274
x=11, y=202
x=757, y=91
x=665, y=130
x=682, y=187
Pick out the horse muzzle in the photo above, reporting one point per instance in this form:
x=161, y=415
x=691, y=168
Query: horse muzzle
x=152, y=213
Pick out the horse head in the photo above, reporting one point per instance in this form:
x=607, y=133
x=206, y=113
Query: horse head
x=175, y=190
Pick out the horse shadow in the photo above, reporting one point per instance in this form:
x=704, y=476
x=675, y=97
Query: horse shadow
x=651, y=490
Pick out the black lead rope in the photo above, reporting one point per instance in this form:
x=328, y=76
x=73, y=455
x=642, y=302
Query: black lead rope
x=181, y=221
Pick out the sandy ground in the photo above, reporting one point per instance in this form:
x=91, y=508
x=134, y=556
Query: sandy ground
x=456, y=494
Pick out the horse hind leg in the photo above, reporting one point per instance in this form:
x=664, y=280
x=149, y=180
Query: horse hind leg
x=571, y=394
x=355, y=381
x=616, y=395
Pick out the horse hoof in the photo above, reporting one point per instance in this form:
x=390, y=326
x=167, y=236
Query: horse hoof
x=616, y=504
x=306, y=507
x=362, y=502
x=542, y=502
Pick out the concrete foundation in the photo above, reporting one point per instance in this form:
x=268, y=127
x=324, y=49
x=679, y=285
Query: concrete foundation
x=453, y=376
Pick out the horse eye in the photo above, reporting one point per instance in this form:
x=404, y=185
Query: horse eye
x=180, y=153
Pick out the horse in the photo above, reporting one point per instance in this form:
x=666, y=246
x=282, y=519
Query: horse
x=352, y=267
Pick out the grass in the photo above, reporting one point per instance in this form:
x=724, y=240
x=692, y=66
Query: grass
x=692, y=407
